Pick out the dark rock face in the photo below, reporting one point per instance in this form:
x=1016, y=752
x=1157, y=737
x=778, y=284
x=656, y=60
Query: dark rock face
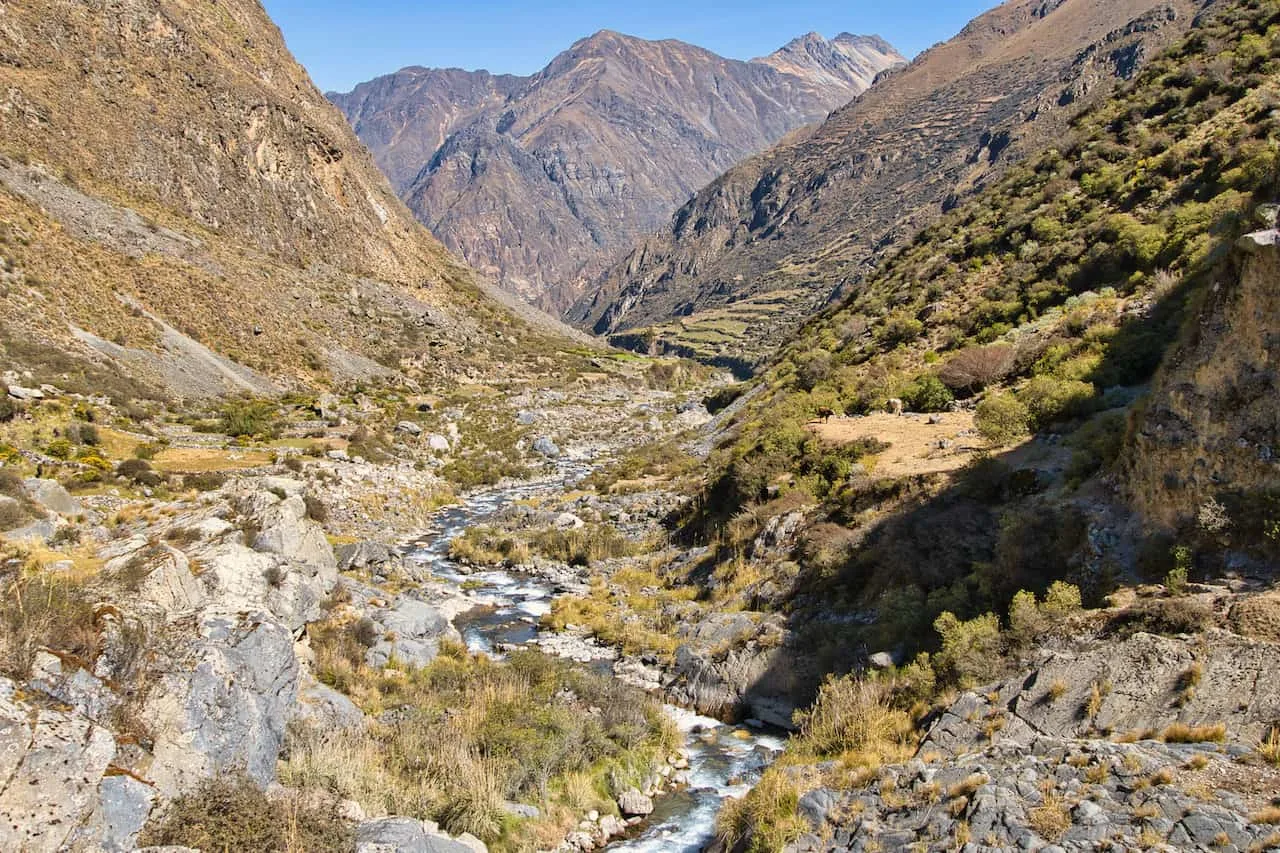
x=805, y=219
x=539, y=181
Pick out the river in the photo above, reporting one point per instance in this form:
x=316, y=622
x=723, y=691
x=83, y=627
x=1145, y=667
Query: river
x=724, y=761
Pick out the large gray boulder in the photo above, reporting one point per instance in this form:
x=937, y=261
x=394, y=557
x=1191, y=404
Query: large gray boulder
x=287, y=531
x=361, y=555
x=223, y=703
x=50, y=495
x=411, y=633
x=50, y=765
x=632, y=803
x=326, y=709
x=124, y=804
x=404, y=835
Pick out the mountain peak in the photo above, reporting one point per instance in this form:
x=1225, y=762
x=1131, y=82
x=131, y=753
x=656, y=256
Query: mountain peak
x=847, y=59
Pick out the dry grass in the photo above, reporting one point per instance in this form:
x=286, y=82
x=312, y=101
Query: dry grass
x=967, y=786
x=42, y=608
x=479, y=733
x=1183, y=733
x=1269, y=815
x=1050, y=819
x=765, y=820
x=202, y=460
x=1269, y=748
x=854, y=715
x=913, y=442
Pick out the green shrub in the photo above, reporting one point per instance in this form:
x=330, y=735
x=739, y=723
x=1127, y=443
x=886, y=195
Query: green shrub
x=971, y=650
x=206, y=481
x=59, y=448
x=250, y=418
x=1049, y=400
x=1001, y=418
x=927, y=394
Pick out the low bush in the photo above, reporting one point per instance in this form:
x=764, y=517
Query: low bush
x=475, y=733
x=854, y=714
x=229, y=812
x=250, y=418
x=1002, y=418
x=41, y=609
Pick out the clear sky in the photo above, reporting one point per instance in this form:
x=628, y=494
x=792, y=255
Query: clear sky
x=344, y=43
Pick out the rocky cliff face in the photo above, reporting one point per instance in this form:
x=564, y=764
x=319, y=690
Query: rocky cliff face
x=537, y=181
x=183, y=206
x=1206, y=451
x=802, y=222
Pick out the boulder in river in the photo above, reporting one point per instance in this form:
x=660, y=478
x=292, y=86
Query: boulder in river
x=632, y=803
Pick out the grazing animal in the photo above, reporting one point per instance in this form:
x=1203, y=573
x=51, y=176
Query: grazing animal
x=825, y=414
x=894, y=407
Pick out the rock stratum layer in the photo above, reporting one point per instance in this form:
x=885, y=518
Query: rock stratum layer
x=539, y=181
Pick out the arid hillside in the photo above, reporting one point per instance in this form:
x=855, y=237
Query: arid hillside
x=182, y=207
x=778, y=237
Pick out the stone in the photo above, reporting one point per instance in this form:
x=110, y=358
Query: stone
x=633, y=803
x=10, y=507
x=361, y=555
x=124, y=804
x=50, y=495
x=338, y=455
x=580, y=841
x=409, y=428
x=40, y=530
x=73, y=686
x=525, y=418
x=816, y=805
x=522, y=810
x=404, y=835
x=546, y=447
x=881, y=660
x=50, y=765
x=568, y=521
x=286, y=530
x=224, y=703
x=325, y=708
x=437, y=443
x=18, y=392
x=612, y=826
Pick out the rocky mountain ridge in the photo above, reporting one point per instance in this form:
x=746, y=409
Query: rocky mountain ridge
x=536, y=181
x=776, y=238
x=181, y=207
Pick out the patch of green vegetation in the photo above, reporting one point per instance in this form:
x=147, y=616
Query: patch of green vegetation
x=478, y=733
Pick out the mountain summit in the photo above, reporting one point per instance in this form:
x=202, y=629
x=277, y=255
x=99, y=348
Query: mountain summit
x=538, y=181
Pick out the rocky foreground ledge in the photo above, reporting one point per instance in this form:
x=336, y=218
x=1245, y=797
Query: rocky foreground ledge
x=197, y=663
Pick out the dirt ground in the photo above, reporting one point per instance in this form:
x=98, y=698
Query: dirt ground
x=915, y=445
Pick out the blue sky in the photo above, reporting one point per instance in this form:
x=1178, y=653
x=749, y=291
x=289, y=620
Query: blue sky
x=344, y=43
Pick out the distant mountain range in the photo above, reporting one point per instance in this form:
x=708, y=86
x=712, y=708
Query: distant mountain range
x=780, y=235
x=539, y=182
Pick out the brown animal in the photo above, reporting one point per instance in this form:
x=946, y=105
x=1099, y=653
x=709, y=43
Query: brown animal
x=825, y=414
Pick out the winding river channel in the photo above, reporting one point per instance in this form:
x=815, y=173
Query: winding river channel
x=724, y=761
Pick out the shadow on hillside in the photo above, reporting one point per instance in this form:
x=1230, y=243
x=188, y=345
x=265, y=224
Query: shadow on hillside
x=962, y=542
